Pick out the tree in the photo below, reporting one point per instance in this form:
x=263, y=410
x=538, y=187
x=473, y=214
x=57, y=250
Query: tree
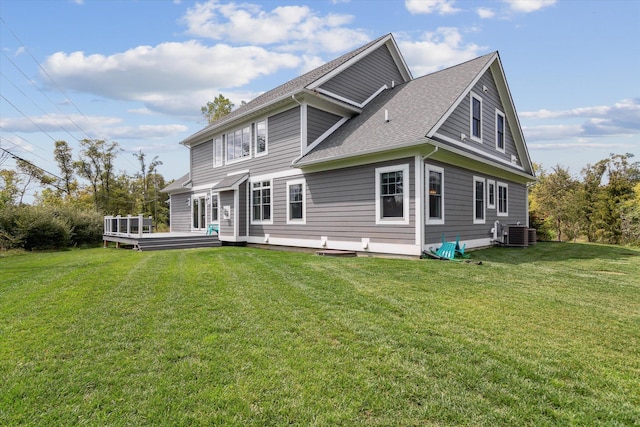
x=64, y=157
x=555, y=197
x=217, y=109
x=96, y=165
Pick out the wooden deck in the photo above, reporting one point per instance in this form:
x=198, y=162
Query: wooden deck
x=162, y=241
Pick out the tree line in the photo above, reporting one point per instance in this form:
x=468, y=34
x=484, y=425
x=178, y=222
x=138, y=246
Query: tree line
x=603, y=205
x=86, y=187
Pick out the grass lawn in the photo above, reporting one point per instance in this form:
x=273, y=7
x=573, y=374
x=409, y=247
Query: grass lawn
x=548, y=335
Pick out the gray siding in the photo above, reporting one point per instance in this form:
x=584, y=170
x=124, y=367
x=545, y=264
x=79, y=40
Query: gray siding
x=283, y=138
x=226, y=225
x=242, y=209
x=318, y=122
x=341, y=206
x=458, y=206
x=180, y=212
x=460, y=120
x=364, y=78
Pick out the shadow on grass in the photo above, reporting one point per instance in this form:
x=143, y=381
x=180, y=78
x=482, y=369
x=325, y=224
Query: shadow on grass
x=554, y=252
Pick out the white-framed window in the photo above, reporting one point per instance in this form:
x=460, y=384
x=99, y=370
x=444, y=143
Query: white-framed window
x=392, y=195
x=479, y=200
x=500, y=127
x=503, y=200
x=296, y=202
x=476, y=117
x=239, y=144
x=435, y=194
x=215, y=208
x=491, y=194
x=261, y=138
x=261, y=202
x=218, y=156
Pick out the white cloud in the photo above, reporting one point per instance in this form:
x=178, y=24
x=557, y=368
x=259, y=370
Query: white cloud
x=437, y=50
x=621, y=119
x=288, y=27
x=144, y=131
x=485, y=12
x=170, y=73
x=527, y=6
x=442, y=7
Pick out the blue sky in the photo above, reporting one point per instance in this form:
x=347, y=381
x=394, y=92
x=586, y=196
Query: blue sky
x=137, y=72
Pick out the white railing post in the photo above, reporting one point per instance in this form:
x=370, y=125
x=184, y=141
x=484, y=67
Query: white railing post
x=140, y=225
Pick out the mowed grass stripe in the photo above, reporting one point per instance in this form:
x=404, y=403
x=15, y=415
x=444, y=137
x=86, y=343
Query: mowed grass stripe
x=240, y=336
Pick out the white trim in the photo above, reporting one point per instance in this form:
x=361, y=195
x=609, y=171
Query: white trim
x=322, y=80
x=236, y=213
x=287, y=173
x=226, y=143
x=428, y=220
x=477, y=150
x=303, y=220
x=350, y=101
x=490, y=205
x=470, y=244
x=506, y=187
x=350, y=245
x=303, y=126
x=322, y=137
x=404, y=168
x=266, y=137
x=473, y=95
x=484, y=200
x=419, y=198
x=213, y=194
x=271, y=194
x=504, y=131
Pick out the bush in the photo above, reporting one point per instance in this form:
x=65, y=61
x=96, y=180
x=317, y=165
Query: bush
x=86, y=226
x=39, y=229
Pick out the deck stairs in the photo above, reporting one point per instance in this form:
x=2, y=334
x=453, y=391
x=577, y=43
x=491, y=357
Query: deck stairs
x=178, y=242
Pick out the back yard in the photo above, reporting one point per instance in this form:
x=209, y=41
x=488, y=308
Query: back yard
x=241, y=336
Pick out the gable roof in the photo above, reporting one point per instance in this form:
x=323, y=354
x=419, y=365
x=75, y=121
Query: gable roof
x=414, y=109
x=297, y=85
x=177, y=185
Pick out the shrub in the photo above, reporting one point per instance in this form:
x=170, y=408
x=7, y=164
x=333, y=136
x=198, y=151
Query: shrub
x=86, y=225
x=40, y=229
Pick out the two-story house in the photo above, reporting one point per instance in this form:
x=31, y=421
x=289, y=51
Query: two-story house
x=359, y=155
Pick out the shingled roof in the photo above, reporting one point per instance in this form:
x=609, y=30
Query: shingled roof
x=285, y=90
x=414, y=109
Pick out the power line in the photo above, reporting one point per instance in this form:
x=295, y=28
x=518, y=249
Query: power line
x=18, y=158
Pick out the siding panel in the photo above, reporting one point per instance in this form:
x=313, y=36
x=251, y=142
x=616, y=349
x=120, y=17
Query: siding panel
x=318, y=122
x=364, y=78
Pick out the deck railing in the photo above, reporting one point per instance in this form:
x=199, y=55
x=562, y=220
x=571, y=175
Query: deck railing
x=127, y=226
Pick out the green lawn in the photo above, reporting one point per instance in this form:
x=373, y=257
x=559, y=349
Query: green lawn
x=548, y=335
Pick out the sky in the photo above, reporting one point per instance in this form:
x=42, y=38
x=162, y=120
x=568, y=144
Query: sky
x=137, y=72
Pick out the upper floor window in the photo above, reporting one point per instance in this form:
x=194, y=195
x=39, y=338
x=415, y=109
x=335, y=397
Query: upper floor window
x=476, y=117
x=435, y=196
x=239, y=144
x=261, y=202
x=478, y=200
x=499, y=131
x=261, y=137
x=392, y=195
x=217, y=152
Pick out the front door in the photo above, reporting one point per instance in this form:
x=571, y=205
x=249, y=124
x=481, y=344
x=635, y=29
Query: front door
x=199, y=212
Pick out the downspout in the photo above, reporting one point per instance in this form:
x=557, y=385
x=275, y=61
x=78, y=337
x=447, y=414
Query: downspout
x=423, y=204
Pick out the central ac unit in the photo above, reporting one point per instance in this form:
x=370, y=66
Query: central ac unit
x=517, y=235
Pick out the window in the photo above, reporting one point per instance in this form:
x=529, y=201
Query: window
x=491, y=194
x=499, y=131
x=239, y=144
x=435, y=186
x=503, y=205
x=215, y=215
x=261, y=138
x=261, y=202
x=478, y=200
x=392, y=195
x=217, y=152
x=296, y=202
x=476, y=117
